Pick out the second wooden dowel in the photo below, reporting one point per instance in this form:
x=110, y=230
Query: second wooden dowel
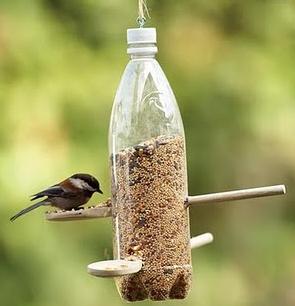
x=237, y=195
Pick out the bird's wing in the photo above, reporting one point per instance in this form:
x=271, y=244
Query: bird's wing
x=54, y=191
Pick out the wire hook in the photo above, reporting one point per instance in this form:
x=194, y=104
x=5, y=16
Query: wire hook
x=142, y=12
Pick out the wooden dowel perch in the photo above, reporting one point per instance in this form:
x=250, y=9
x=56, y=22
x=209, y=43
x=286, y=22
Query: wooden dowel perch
x=201, y=240
x=104, y=209
x=237, y=195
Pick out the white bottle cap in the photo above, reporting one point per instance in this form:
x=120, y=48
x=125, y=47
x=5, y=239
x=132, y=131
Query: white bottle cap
x=142, y=41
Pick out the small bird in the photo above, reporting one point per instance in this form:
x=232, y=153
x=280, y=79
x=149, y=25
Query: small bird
x=68, y=194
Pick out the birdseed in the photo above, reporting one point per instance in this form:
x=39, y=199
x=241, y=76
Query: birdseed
x=150, y=221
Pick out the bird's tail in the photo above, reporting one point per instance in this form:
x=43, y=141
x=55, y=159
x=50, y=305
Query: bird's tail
x=26, y=210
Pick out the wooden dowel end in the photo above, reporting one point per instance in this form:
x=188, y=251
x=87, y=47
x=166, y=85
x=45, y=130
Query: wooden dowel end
x=237, y=195
x=201, y=240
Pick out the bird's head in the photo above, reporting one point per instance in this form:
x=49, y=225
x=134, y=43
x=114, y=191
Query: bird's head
x=86, y=182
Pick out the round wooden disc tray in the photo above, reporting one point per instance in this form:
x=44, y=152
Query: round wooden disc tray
x=99, y=211
x=112, y=268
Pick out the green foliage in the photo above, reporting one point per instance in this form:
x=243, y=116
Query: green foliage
x=231, y=64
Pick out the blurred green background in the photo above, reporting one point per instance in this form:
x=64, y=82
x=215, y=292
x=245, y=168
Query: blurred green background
x=232, y=67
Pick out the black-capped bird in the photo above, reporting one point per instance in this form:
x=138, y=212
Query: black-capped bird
x=68, y=194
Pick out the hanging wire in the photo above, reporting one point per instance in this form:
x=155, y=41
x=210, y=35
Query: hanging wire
x=142, y=13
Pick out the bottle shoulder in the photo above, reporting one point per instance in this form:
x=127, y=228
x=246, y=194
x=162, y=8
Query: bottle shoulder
x=144, y=106
x=144, y=72
x=141, y=66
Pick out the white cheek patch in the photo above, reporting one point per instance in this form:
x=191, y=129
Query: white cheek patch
x=78, y=183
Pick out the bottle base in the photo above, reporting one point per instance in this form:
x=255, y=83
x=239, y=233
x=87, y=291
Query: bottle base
x=159, y=286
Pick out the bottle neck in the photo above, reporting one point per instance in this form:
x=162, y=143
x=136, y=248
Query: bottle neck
x=142, y=50
x=142, y=56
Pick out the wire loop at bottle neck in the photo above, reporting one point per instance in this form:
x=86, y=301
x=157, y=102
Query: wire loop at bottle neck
x=141, y=21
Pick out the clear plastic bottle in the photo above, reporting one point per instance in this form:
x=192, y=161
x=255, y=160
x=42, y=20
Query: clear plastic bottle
x=149, y=178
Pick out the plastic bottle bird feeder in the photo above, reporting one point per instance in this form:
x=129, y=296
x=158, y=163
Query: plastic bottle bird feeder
x=149, y=204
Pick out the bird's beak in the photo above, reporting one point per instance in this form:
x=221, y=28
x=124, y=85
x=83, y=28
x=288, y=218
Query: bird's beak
x=99, y=191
